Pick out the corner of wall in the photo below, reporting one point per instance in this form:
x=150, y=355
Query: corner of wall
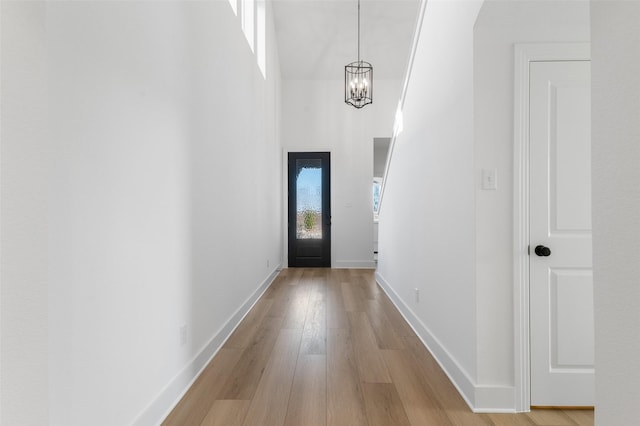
x=458, y=376
x=173, y=392
x=480, y=398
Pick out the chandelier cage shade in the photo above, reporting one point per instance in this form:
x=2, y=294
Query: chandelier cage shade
x=358, y=84
x=358, y=79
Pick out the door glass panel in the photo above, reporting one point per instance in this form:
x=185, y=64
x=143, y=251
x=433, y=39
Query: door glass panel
x=309, y=199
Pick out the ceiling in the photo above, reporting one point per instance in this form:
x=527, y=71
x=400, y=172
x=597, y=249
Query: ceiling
x=317, y=38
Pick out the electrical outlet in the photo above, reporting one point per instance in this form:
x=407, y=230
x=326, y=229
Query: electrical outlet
x=417, y=291
x=183, y=334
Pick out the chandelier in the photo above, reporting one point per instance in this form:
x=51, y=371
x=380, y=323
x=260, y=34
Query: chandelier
x=358, y=79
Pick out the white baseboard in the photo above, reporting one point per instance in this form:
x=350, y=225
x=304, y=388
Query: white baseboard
x=169, y=397
x=495, y=399
x=354, y=264
x=481, y=399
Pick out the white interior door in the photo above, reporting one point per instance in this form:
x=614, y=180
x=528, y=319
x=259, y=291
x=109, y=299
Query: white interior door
x=561, y=284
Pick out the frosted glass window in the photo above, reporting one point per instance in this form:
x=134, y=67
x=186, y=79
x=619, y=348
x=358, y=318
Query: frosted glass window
x=308, y=199
x=377, y=184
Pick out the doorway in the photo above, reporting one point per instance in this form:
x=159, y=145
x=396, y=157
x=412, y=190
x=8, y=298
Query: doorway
x=553, y=331
x=309, y=209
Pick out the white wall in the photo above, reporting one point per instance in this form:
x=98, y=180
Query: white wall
x=380, y=151
x=458, y=250
x=23, y=239
x=160, y=192
x=427, y=223
x=321, y=121
x=499, y=26
x=616, y=203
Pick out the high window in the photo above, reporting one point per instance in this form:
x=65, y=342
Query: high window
x=253, y=20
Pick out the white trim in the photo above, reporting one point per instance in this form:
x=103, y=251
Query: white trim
x=494, y=399
x=524, y=54
x=481, y=399
x=285, y=207
x=458, y=376
x=403, y=95
x=354, y=264
x=169, y=397
x=1, y=233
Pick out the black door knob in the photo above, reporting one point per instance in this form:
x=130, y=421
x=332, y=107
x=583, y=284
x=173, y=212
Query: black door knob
x=542, y=251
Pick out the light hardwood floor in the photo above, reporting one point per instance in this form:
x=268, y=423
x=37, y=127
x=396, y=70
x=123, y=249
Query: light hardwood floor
x=327, y=347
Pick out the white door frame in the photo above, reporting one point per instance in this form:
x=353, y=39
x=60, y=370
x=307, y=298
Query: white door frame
x=524, y=54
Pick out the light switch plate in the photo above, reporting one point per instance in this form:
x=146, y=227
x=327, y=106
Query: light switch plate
x=489, y=179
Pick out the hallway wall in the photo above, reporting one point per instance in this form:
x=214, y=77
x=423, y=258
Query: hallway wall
x=321, y=121
x=500, y=25
x=427, y=225
x=140, y=203
x=439, y=232
x=23, y=223
x=616, y=202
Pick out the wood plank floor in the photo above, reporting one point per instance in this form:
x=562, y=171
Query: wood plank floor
x=327, y=347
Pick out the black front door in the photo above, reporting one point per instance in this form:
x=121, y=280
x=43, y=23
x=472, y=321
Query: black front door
x=309, y=209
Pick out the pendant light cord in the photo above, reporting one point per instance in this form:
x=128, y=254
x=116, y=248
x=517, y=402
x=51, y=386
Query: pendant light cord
x=358, y=32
